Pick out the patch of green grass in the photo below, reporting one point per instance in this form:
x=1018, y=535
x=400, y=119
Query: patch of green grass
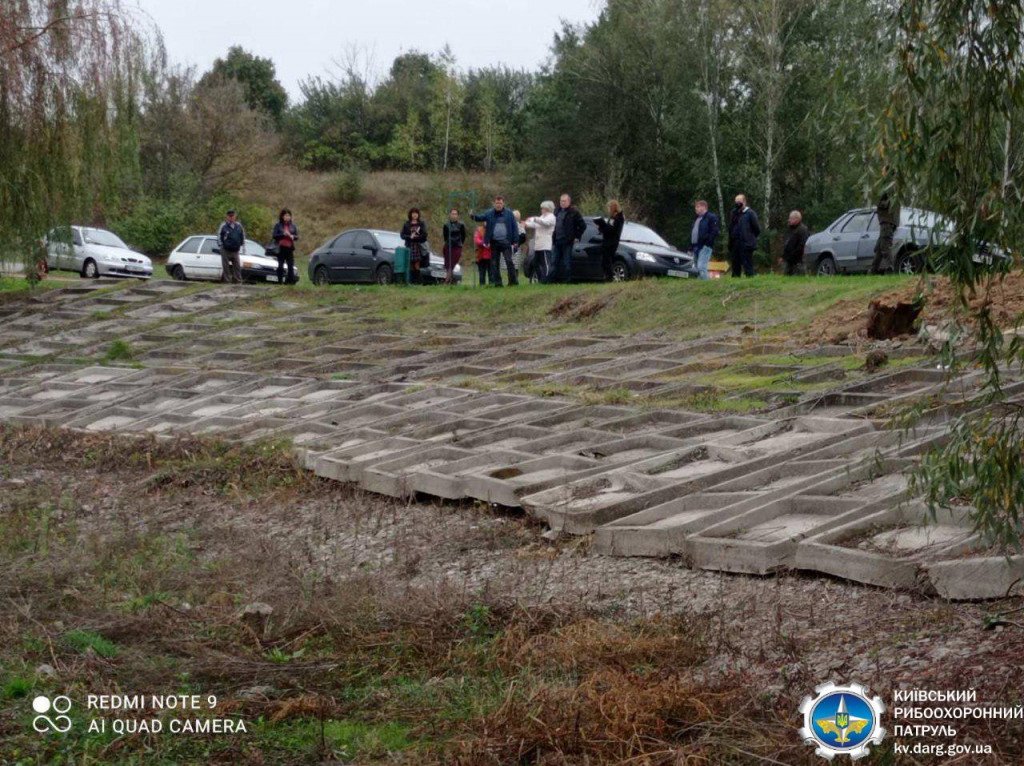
x=17, y=688
x=83, y=640
x=119, y=351
x=341, y=739
x=15, y=285
x=144, y=602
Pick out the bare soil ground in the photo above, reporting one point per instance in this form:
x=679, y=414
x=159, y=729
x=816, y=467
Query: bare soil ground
x=847, y=320
x=424, y=633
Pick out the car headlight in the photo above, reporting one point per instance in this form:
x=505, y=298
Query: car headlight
x=646, y=258
x=248, y=265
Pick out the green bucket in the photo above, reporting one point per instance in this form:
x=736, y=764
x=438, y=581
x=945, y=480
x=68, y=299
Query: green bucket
x=402, y=263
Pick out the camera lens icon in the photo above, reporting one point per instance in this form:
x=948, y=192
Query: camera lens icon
x=60, y=705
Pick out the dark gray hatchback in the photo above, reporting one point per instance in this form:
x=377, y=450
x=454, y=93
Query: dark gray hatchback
x=366, y=256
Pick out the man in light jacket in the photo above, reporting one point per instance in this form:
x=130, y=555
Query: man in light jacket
x=500, y=232
x=543, y=228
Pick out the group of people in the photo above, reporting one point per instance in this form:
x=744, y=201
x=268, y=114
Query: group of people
x=231, y=239
x=502, y=235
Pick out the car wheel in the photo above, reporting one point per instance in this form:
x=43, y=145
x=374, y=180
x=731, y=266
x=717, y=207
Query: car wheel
x=826, y=266
x=178, y=273
x=908, y=263
x=321, y=277
x=384, y=274
x=90, y=270
x=620, y=270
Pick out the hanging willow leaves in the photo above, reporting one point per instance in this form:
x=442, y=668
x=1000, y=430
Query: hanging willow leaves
x=948, y=142
x=69, y=79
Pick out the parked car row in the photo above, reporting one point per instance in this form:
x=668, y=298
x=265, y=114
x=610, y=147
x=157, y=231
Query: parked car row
x=846, y=246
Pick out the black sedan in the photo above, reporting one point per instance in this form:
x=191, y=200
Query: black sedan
x=641, y=252
x=366, y=255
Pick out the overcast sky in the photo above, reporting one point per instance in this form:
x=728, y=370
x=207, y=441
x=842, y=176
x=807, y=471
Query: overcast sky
x=304, y=36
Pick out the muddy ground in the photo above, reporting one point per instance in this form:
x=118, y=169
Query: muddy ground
x=158, y=549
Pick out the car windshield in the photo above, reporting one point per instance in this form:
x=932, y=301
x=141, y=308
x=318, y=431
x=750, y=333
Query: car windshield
x=388, y=239
x=254, y=248
x=101, y=237
x=641, y=235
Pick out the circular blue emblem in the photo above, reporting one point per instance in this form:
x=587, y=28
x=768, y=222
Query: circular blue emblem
x=842, y=720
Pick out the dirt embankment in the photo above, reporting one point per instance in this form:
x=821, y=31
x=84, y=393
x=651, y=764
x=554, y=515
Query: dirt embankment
x=847, y=321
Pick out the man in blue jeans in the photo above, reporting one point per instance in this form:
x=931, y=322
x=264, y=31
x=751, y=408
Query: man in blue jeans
x=500, y=230
x=702, y=237
x=569, y=226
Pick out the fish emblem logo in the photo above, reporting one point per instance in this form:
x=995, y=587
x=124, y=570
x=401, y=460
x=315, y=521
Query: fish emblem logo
x=842, y=720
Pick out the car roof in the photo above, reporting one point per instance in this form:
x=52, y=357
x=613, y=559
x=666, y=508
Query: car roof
x=907, y=209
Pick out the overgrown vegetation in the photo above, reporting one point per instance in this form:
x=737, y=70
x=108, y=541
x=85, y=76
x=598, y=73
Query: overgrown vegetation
x=951, y=139
x=358, y=667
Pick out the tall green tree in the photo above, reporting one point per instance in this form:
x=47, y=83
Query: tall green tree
x=258, y=77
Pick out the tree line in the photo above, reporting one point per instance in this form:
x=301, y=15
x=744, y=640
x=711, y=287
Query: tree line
x=654, y=102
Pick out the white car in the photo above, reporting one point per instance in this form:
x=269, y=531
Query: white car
x=94, y=253
x=198, y=257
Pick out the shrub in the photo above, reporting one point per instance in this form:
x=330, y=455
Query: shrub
x=153, y=225
x=348, y=185
x=257, y=220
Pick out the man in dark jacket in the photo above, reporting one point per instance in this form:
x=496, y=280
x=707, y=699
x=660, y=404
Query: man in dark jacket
x=796, y=239
x=231, y=239
x=744, y=229
x=702, y=237
x=888, y=220
x=569, y=227
x=500, y=232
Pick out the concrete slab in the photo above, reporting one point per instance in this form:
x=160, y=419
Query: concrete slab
x=585, y=416
x=976, y=578
x=215, y=381
x=575, y=442
x=664, y=529
x=396, y=478
x=446, y=481
x=502, y=437
x=765, y=539
x=578, y=507
x=216, y=405
x=348, y=462
x=505, y=484
x=652, y=420
x=11, y=407
x=107, y=419
x=164, y=424
x=255, y=409
x=886, y=548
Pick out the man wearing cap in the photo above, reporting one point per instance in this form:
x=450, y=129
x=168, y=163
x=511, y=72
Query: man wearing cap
x=232, y=239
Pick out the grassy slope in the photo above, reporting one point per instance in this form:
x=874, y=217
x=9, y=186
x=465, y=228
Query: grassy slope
x=676, y=309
